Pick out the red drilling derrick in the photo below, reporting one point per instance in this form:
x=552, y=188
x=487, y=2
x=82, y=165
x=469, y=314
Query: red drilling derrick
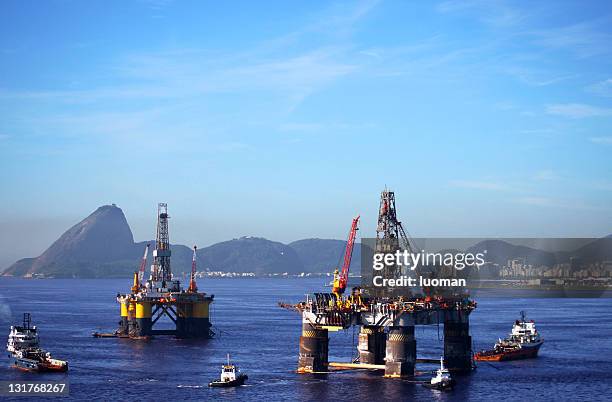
x=192, y=281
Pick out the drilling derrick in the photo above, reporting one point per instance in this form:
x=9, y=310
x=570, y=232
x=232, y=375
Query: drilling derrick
x=161, y=273
x=163, y=296
x=162, y=248
x=390, y=234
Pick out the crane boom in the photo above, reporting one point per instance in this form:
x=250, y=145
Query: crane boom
x=341, y=280
x=143, y=263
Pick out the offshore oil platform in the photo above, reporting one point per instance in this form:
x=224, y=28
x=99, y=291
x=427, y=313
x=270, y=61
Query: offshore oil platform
x=163, y=296
x=387, y=337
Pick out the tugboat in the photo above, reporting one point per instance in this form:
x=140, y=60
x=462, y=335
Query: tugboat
x=229, y=377
x=442, y=381
x=523, y=342
x=23, y=347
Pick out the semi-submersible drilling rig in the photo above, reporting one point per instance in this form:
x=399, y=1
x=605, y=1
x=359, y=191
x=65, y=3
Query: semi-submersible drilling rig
x=386, y=338
x=162, y=295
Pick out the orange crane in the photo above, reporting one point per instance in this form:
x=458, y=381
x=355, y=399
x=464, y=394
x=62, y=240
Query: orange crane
x=192, y=282
x=139, y=278
x=341, y=278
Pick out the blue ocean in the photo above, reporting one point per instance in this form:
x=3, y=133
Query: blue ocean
x=574, y=364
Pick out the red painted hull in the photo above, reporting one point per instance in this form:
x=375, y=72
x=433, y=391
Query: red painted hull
x=44, y=369
x=41, y=366
x=525, y=352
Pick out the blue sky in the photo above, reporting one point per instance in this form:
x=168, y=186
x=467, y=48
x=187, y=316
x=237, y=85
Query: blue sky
x=285, y=119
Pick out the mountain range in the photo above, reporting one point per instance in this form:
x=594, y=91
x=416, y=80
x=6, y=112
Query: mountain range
x=102, y=246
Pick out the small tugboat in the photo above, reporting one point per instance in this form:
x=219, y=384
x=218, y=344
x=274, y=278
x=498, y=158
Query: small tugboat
x=523, y=342
x=442, y=381
x=23, y=347
x=229, y=377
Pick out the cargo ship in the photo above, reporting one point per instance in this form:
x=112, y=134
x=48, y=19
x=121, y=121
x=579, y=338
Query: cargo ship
x=524, y=342
x=23, y=347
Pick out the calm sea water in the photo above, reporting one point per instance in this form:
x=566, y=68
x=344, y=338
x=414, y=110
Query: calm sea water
x=575, y=362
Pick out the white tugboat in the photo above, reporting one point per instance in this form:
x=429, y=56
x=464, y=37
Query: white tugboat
x=23, y=347
x=230, y=376
x=523, y=342
x=442, y=380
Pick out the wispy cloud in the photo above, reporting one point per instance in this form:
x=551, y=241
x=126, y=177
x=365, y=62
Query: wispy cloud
x=540, y=201
x=182, y=75
x=327, y=126
x=584, y=39
x=480, y=185
x=604, y=185
x=602, y=88
x=303, y=127
x=273, y=66
x=341, y=19
x=577, y=110
x=494, y=13
x=602, y=140
x=231, y=146
x=527, y=192
x=550, y=202
x=535, y=78
x=150, y=93
x=157, y=4
x=537, y=131
x=546, y=175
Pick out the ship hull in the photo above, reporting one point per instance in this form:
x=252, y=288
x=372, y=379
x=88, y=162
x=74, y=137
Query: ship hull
x=524, y=352
x=39, y=367
x=441, y=386
x=226, y=384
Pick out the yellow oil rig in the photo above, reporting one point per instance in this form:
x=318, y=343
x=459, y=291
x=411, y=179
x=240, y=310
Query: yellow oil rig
x=162, y=295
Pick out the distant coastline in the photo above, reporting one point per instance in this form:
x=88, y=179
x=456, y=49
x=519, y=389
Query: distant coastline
x=355, y=280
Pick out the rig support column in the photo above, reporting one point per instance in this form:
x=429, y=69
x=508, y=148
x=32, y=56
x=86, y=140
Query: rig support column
x=458, y=343
x=123, y=324
x=131, y=319
x=401, y=352
x=143, y=318
x=314, y=345
x=193, y=319
x=371, y=345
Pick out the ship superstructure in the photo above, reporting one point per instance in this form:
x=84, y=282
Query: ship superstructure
x=22, y=336
x=163, y=295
